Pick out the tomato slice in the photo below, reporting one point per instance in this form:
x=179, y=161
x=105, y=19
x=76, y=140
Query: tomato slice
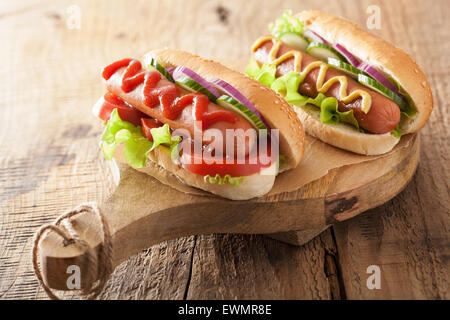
x=126, y=112
x=200, y=164
x=147, y=125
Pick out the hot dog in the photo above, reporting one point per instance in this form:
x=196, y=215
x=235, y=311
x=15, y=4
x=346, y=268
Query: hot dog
x=384, y=115
x=379, y=92
x=146, y=109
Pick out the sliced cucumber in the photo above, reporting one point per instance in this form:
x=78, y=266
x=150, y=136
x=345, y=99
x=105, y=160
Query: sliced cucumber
x=232, y=104
x=295, y=40
x=161, y=69
x=345, y=67
x=191, y=85
x=375, y=85
x=323, y=51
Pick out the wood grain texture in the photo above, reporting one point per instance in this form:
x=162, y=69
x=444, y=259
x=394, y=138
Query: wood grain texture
x=54, y=163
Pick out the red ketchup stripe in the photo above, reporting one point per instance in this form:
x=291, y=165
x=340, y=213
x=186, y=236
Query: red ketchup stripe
x=108, y=71
x=126, y=113
x=113, y=99
x=167, y=95
x=131, y=78
x=151, y=80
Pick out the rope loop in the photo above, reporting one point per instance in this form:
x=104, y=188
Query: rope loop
x=100, y=263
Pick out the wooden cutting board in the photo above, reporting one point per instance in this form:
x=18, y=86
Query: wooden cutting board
x=142, y=211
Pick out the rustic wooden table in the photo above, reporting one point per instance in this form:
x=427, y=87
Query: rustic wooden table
x=52, y=52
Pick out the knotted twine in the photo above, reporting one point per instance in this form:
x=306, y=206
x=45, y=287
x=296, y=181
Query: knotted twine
x=101, y=263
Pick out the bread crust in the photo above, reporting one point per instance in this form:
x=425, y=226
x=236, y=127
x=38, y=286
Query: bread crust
x=380, y=54
x=277, y=112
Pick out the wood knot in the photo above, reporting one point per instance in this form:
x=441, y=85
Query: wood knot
x=223, y=14
x=338, y=206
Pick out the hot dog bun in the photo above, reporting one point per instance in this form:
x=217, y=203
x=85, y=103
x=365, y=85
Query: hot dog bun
x=384, y=56
x=379, y=53
x=277, y=112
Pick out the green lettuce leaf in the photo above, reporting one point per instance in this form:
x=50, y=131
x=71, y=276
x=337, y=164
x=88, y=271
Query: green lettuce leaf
x=282, y=160
x=234, y=181
x=118, y=131
x=137, y=147
x=329, y=112
x=264, y=74
x=397, y=132
x=253, y=69
x=287, y=86
x=286, y=23
x=267, y=74
x=163, y=136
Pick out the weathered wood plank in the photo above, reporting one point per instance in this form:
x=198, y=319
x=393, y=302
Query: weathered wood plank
x=256, y=267
x=161, y=272
x=230, y=267
x=55, y=164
